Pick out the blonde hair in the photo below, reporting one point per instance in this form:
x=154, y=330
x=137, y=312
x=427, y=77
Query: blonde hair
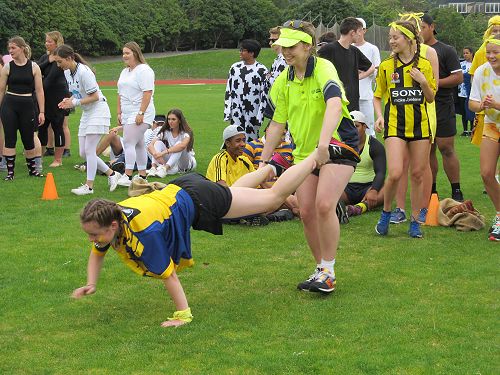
x=136, y=51
x=21, y=43
x=275, y=30
x=56, y=36
x=309, y=29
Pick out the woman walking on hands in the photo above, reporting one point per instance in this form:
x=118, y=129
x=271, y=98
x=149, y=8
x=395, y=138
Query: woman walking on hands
x=309, y=96
x=151, y=232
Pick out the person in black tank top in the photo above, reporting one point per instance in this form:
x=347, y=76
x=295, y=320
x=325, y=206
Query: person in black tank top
x=21, y=77
x=55, y=88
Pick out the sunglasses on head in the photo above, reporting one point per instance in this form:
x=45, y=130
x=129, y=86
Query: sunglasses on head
x=294, y=24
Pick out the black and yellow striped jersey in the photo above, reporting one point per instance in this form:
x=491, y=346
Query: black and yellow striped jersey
x=406, y=113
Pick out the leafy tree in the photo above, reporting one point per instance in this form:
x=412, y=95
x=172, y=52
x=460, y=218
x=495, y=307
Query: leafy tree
x=254, y=18
x=210, y=20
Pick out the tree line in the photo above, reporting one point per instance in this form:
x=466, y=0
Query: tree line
x=101, y=27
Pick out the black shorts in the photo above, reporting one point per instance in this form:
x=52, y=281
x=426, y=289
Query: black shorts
x=356, y=191
x=212, y=201
x=446, y=120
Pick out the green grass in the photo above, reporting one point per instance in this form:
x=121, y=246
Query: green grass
x=210, y=64
x=403, y=306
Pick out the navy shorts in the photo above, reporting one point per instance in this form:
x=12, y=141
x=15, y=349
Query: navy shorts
x=356, y=191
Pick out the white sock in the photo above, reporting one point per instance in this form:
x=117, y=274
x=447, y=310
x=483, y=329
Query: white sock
x=328, y=265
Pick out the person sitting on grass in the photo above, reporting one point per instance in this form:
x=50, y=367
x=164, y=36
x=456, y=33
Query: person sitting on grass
x=228, y=165
x=151, y=232
x=253, y=151
x=365, y=189
x=172, y=148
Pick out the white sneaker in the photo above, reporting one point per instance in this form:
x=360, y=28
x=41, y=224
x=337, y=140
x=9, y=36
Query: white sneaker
x=173, y=170
x=161, y=171
x=152, y=172
x=83, y=190
x=124, y=180
x=113, y=181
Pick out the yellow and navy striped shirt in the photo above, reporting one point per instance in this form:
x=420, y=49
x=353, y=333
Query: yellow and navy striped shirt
x=406, y=113
x=155, y=237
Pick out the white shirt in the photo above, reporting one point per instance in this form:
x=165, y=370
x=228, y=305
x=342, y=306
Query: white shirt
x=462, y=92
x=171, y=140
x=486, y=82
x=131, y=87
x=82, y=83
x=365, y=85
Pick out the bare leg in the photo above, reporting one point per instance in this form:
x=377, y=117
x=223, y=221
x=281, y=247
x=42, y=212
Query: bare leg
x=451, y=165
x=403, y=183
x=247, y=201
x=490, y=151
x=176, y=292
x=333, y=179
x=394, y=148
x=419, y=162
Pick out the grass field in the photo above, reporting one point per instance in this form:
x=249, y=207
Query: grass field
x=403, y=306
x=210, y=65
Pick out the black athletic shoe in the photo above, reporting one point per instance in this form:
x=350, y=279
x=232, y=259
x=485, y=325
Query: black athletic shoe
x=341, y=211
x=281, y=215
x=305, y=285
x=49, y=152
x=279, y=163
x=457, y=195
x=66, y=153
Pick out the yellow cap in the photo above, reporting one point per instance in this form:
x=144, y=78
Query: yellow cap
x=290, y=37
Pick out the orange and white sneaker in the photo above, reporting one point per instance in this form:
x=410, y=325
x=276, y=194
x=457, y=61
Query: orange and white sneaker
x=325, y=282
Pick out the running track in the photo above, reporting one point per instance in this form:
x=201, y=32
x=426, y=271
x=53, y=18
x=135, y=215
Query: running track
x=176, y=82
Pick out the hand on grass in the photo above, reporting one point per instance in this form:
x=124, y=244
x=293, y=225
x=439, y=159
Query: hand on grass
x=173, y=323
x=84, y=291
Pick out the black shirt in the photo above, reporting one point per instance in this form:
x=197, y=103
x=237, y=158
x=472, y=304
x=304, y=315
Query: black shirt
x=347, y=62
x=448, y=63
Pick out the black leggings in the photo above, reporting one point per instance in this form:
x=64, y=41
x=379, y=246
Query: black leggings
x=56, y=121
x=18, y=113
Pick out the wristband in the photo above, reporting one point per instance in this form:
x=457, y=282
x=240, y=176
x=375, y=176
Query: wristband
x=183, y=315
x=76, y=102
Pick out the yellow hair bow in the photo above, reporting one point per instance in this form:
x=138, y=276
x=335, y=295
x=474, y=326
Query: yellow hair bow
x=403, y=29
x=412, y=16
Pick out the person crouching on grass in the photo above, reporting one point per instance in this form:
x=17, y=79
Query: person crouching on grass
x=151, y=232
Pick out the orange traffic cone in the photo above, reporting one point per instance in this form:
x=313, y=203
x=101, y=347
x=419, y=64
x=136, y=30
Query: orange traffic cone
x=432, y=211
x=49, y=190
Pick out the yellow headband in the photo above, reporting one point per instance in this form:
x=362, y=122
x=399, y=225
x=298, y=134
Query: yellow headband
x=492, y=40
x=412, y=16
x=403, y=29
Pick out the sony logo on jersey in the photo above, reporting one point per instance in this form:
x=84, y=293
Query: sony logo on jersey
x=407, y=96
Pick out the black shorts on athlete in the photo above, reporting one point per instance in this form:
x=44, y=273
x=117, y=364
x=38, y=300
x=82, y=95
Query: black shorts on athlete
x=446, y=119
x=211, y=200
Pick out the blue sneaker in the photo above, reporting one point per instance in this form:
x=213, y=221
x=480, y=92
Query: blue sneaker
x=422, y=215
x=414, y=230
x=398, y=216
x=382, y=226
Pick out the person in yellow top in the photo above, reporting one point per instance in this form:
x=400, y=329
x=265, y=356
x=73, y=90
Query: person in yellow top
x=228, y=165
x=480, y=59
x=485, y=96
x=151, y=232
x=406, y=82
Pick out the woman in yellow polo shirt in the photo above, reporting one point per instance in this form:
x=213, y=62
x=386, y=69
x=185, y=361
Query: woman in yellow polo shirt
x=308, y=96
